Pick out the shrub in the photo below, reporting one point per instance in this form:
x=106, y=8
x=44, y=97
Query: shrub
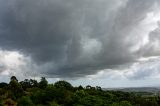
x=24, y=101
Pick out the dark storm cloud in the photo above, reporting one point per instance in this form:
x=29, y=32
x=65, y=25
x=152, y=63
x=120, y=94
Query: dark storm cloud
x=71, y=38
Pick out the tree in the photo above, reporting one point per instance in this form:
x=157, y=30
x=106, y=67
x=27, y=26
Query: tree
x=33, y=83
x=13, y=78
x=9, y=102
x=63, y=85
x=125, y=103
x=3, y=84
x=43, y=83
x=78, y=95
x=53, y=103
x=15, y=87
x=98, y=88
x=1, y=103
x=91, y=101
x=88, y=87
x=80, y=88
x=122, y=103
x=25, y=84
x=24, y=101
x=51, y=92
x=39, y=97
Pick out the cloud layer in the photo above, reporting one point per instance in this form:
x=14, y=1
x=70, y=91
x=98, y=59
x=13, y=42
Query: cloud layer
x=78, y=38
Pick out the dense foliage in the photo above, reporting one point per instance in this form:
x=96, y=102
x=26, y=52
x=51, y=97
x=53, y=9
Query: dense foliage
x=62, y=93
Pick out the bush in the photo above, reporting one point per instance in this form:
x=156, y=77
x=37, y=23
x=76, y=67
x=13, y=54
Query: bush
x=125, y=103
x=24, y=101
x=53, y=103
x=9, y=102
x=122, y=103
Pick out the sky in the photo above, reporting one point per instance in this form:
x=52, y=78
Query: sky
x=109, y=43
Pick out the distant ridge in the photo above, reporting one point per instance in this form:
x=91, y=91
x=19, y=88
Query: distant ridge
x=136, y=89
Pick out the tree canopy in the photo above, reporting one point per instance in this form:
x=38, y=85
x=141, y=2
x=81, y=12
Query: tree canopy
x=33, y=93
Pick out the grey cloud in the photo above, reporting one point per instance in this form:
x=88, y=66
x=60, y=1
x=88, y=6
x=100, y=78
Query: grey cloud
x=2, y=68
x=59, y=35
x=144, y=70
x=152, y=48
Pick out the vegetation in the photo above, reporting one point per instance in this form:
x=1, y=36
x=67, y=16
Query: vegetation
x=32, y=93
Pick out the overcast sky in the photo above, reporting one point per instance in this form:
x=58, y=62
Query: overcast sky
x=111, y=43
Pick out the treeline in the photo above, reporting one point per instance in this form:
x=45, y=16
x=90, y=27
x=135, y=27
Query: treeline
x=33, y=93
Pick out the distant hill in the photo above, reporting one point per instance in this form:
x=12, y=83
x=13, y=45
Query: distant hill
x=136, y=89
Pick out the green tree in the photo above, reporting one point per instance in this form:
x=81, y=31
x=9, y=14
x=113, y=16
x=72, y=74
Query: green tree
x=43, y=83
x=1, y=103
x=33, y=83
x=98, y=88
x=80, y=87
x=63, y=84
x=88, y=87
x=3, y=84
x=91, y=101
x=122, y=103
x=15, y=87
x=25, y=101
x=51, y=92
x=53, y=103
x=39, y=97
x=25, y=84
x=125, y=103
x=9, y=102
x=13, y=78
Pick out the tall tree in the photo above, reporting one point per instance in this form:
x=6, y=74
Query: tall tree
x=43, y=83
x=15, y=87
x=13, y=78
